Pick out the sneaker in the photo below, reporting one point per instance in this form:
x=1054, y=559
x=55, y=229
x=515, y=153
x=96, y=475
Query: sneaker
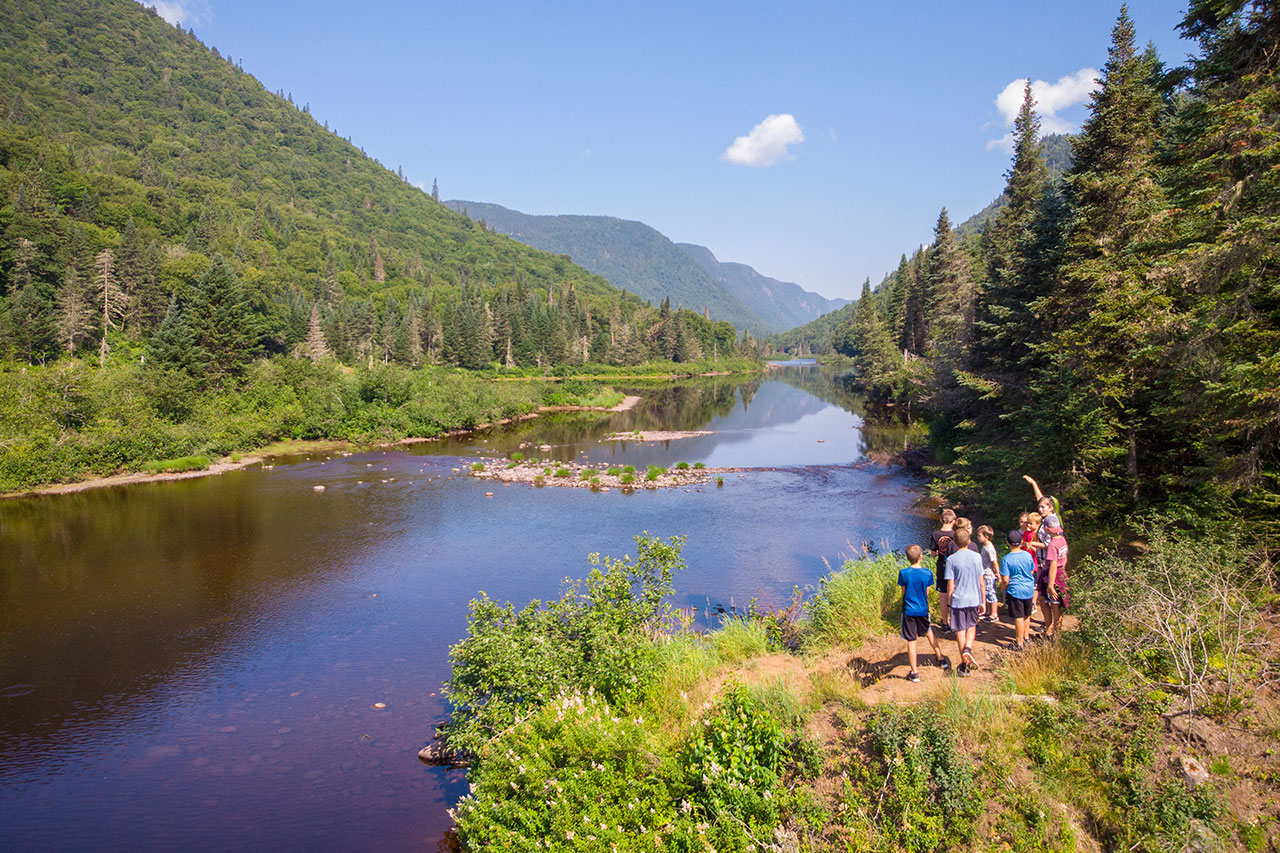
x=963, y=669
x=913, y=676
x=944, y=663
x=967, y=654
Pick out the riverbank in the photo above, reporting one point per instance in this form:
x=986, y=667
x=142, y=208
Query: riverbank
x=799, y=723
x=281, y=449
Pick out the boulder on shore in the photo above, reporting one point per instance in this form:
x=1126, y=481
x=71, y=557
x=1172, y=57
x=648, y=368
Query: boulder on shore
x=438, y=754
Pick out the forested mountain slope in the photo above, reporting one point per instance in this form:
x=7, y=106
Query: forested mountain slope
x=630, y=254
x=121, y=134
x=642, y=260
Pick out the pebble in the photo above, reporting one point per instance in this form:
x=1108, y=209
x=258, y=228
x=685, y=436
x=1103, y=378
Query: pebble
x=488, y=494
x=317, y=488
x=379, y=705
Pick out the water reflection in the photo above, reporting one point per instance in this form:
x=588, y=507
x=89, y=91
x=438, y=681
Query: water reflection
x=196, y=663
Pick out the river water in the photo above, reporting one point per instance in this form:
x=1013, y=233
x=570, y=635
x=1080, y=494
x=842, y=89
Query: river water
x=196, y=664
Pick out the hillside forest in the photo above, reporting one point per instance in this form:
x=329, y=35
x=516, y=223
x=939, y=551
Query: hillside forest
x=1116, y=330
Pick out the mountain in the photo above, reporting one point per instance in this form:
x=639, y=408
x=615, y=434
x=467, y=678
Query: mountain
x=642, y=260
x=780, y=305
x=630, y=254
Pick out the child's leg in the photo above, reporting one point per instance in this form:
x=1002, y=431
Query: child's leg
x=933, y=641
x=911, y=654
x=1021, y=628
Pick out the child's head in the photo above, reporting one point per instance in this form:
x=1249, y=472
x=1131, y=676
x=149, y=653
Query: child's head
x=1045, y=505
x=1022, y=518
x=914, y=553
x=965, y=524
x=1015, y=539
x=948, y=516
x=962, y=537
x=1034, y=519
x=985, y=533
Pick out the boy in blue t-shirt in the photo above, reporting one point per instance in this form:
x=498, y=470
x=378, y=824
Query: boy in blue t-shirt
x=1019, y=573
x=915, y=581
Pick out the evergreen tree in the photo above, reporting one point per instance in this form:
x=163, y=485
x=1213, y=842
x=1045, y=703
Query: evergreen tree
x=1223, y=168
x=1004, y=321
x=1107, y=319
x=222, y=322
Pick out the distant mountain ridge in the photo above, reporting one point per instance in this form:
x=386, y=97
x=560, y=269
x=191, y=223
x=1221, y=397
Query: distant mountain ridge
x=780, y=304
x=639, y=258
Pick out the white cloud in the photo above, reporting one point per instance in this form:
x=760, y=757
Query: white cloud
x=767, y=142
x=1051, y=98
x=586, y=154
x=180, y=12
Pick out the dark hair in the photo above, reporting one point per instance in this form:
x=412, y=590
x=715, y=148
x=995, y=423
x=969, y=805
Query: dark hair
x=963, y=537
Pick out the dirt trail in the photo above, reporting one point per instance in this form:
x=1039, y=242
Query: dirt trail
x=881, y=664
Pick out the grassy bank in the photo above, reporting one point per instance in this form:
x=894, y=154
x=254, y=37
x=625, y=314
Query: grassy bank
x=599, y=721
x=72, y=421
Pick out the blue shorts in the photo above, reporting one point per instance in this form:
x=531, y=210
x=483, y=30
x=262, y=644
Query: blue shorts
x=990, y=584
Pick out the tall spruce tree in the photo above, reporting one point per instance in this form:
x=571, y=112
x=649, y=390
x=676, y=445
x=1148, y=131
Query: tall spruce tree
x=1107, y=319
x=223, y=325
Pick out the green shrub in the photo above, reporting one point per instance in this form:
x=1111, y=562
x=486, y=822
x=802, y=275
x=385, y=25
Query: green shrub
x=613, y=472
x=596, y=637
x=627, y=479
x=588, y=473
x=595, y=482
x=477, y=466
x=512, y=464
x=929, y=800
x=719, y=481
x=517, y=457
x=699, y=465
x=563, y=472
x=628, y=469
x=683, y=466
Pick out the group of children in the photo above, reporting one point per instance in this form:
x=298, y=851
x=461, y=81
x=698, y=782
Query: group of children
x=1033, y=572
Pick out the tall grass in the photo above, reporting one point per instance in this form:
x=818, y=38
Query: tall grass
x=859, y=601
x=740, y=639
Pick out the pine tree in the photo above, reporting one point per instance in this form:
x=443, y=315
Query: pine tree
x=1223, y=168
x=1003, y=319
x=222, y=322
x=1107, y=317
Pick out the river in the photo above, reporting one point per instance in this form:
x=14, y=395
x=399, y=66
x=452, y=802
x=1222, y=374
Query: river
x=197, y=664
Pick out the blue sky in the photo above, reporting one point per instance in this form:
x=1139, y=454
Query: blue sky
x=628, y=109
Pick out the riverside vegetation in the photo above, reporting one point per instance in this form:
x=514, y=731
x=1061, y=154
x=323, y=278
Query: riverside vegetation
x=600, y=721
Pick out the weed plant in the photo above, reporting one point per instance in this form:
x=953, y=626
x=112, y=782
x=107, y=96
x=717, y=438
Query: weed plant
x=182, y=463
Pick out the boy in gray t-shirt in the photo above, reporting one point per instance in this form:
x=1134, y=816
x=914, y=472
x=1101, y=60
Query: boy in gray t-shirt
x=964, y=581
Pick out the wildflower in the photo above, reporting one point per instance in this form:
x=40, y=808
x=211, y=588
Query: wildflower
x=685, y=806
x=569, y=835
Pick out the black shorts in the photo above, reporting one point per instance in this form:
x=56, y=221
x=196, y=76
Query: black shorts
x=914, y=627
x=1019, y=608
